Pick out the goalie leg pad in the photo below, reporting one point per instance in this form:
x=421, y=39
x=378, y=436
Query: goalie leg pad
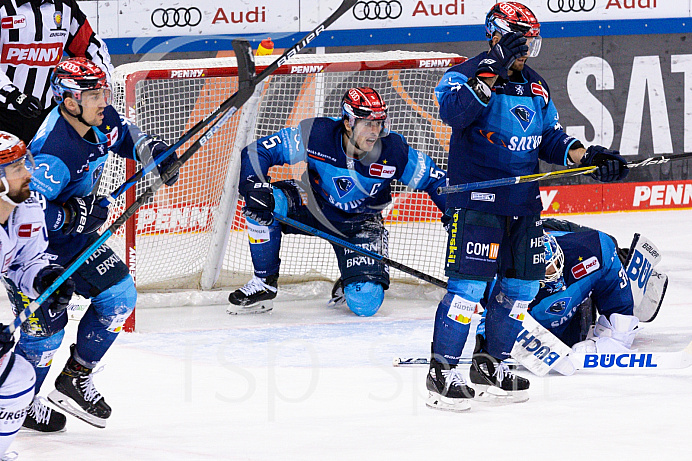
x=364, y=298
x=614, y=336
x=103, y=321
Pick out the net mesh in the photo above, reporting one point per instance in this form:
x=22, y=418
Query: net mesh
x=174, y=229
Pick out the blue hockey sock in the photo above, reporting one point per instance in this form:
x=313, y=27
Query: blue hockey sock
x=39, y=353
x=103, y=321
x=265, y=241
x=453, y=318
x=504, y=316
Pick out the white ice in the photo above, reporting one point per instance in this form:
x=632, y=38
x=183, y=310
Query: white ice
x=311, y=383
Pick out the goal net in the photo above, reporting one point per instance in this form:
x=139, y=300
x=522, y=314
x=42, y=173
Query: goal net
x=192, y=235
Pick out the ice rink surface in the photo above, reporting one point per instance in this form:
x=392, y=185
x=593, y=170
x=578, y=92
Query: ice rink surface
x=307, y=382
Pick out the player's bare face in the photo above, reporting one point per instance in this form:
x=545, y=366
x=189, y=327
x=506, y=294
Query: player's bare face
x=18, y=176
x=93, y=103
x=366, y=133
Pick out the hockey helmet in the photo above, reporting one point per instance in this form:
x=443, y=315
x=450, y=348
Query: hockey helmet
x=505, y=17
x=75, y=75
x=12, y=151
x=554, y=263
x=366, y=104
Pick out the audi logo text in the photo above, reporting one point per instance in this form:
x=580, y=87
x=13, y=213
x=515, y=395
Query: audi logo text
x=565, y=6
x=176, y=17
x=377, y=10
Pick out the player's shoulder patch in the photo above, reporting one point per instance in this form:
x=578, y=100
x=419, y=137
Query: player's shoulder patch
x=583, y=255
x=30, y=212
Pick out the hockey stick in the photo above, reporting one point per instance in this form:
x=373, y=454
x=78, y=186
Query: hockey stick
x=553, y=174
x=370, y=254
x=247, y=83
x=411, y=361
x=616, y=363
x=230, y=102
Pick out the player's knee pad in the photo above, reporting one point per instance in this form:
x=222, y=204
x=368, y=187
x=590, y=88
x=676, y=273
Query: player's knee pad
x=364, y=298
x=115, y=305
x=468, y=289
x=39, y=351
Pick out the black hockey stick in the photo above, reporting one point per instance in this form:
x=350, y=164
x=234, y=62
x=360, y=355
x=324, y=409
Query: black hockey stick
x=553, y=174
x=247, y=83
x=232, y=102
x=370, y=254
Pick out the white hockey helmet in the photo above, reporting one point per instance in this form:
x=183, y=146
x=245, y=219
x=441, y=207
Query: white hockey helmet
x=12, y=150
x=554, y=262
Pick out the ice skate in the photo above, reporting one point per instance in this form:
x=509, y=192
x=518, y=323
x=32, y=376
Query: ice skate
x=338, y=297
x=447, y=389
x=75, y=393
x=494, y=380
x=255, y=297
x=42, y=418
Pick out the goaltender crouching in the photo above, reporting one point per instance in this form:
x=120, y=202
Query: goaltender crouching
x=351, y=162
x=594, y=294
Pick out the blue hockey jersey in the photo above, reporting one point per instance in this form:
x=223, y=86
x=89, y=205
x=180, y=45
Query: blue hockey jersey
x=501, y=139
x=592, y=269
x=345, y=189
x=68, y=165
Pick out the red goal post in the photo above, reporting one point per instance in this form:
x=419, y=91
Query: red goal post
x=191, y=235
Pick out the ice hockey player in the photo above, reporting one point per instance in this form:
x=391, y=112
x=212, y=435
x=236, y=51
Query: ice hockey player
x=351, y=162
x=503, y=120
x=588, y=275
x=71, y=148
x=25, y=267
x=35, y=35
x=586, y=272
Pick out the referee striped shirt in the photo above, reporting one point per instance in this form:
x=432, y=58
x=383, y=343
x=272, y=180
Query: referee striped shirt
x=34, y=35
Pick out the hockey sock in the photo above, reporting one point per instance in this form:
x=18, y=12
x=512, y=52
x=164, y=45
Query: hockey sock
x=103, y=321
x=265, y=242
x=505, y=314
x=453, y=318
x=39, y=353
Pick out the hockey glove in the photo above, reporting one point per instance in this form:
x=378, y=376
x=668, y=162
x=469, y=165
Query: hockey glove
x=501, y=56
x=59, y=300
x=6, y=340
x=85, y=215
x=152, y=147
x=27, y=105
x=611, y=165
x=259, y=201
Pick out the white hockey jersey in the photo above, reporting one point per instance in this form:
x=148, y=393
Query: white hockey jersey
x=23, y=242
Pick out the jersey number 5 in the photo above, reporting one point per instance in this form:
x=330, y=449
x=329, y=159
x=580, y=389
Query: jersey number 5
x=271, y=142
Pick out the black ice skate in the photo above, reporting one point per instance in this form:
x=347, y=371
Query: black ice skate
x=75, y=393
x=338, y=296
x=447, y=389
x=494, y=380
x=255, y=297
x=42, y=418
